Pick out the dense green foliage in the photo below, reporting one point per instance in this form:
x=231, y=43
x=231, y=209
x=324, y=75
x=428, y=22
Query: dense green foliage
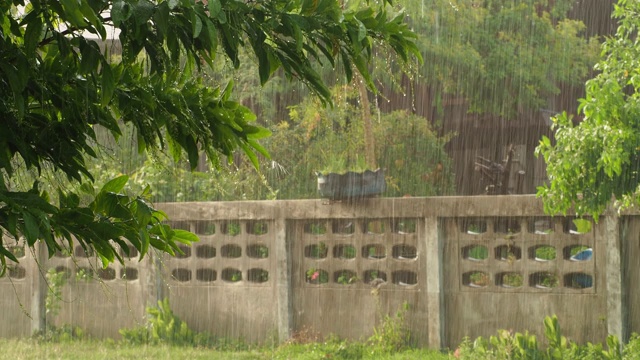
x=599, y=158
x=500, y=68
x=312, y=138
x=59, y=87
x=524, y=346
x=318, y=139
x=504, y=57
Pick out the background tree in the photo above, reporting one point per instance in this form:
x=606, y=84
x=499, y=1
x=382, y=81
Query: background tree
x=600, y=157
x=59, y=86
x=315, y=138
x=503, y=57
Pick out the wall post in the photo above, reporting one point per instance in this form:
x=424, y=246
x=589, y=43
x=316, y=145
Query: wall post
x=435, y=309
x=40, y=289
x=282, y=279
x=616, y=308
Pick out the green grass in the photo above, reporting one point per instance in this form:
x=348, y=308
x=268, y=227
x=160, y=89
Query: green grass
x=96, y=350
x=19, y=349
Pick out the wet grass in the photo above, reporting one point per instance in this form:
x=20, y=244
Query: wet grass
x=97, y=350
x=19, y=349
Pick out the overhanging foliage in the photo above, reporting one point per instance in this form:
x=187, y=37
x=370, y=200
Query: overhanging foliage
x=57, y=86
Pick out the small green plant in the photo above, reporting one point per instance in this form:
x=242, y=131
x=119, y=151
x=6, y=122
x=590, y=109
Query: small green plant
x=475, y=227
x=56, y=281
x=346, y=278
x=263, y=276
x=236, y=276
x=392, y=334
x=548, y=280
x=545, y=253
x=478, y=252
x=209, y=229
x=512, y=280
x=317, y=276
x=318, y=251
x=524, y=346
x=162, y=326
x=317, y=229
x=262, y=251
x=581, y=226
x=232, y=228
x=479, y=279
x=259, y=228
x=347, y=252
x=372, y=275
x=376, y=251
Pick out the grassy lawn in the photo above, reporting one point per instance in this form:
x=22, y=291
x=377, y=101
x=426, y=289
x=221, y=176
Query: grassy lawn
x=19, y=349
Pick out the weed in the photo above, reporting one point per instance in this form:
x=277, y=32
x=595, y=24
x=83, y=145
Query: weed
x=515, y=346
x=317, y=276
x=56, y=281
x=164, y=327
x=391, y=335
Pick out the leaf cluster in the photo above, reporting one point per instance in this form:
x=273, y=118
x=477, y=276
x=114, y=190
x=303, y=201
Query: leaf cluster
x=509, y=345
x=62, y=79
x=503, y=57
x=598, y=159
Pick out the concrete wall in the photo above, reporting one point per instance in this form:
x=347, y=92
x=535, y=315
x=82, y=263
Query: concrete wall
x=466, y=266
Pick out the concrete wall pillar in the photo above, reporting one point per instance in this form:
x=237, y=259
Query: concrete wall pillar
x=39, y=289
x=283, y=280
x=435, y=308
x=616, y=307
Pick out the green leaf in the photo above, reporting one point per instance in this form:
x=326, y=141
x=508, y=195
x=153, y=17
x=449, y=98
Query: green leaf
x=196, y=24
x=214, y=8
x=144, y=243
x=32, y=36
x=309, y=6
x=72, y=13
x=120, y=12
x=88, y=12
x=108, y=83
x=226, y=93
x=6, y=253
x=362, y=30
x=31, y=229
x=184, y=236
x=583, y=226
x=89, y=56
x=17, y=82
x=250, y=154
x=264, y=65
x=87, y=188
x=161, y=18
x=115, y=185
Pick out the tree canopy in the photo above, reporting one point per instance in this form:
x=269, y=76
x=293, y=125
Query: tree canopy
x=503, y=57
x=599, y=158
x=59, y=85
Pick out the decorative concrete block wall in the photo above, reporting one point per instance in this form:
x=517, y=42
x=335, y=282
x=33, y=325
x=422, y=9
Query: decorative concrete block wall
x=466, y=266
x=225, y=283
x=511, y=272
